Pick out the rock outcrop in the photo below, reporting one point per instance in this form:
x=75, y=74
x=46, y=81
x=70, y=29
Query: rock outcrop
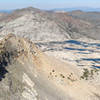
x=26, y=73
x=38, y=25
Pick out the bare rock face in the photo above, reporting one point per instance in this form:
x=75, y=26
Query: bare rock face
x=15, y=83
x=38, y=25
x=32, y=23
x=26, y=73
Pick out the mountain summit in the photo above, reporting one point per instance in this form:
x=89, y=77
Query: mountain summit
x=39, y=25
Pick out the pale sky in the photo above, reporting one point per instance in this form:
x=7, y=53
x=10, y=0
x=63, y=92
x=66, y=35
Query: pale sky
x=48, y=4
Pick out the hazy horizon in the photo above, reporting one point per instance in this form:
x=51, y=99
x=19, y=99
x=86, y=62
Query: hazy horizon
x=51, y=8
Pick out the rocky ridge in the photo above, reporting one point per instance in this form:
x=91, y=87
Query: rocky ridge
x=26, y=73
x=39, y=25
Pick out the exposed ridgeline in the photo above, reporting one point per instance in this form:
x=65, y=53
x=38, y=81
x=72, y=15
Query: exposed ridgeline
x=26, y=73
x=38, y=25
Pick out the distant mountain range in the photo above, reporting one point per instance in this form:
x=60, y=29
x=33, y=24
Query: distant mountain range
x=86, y=9
x=39, y=25
x=6, y=11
